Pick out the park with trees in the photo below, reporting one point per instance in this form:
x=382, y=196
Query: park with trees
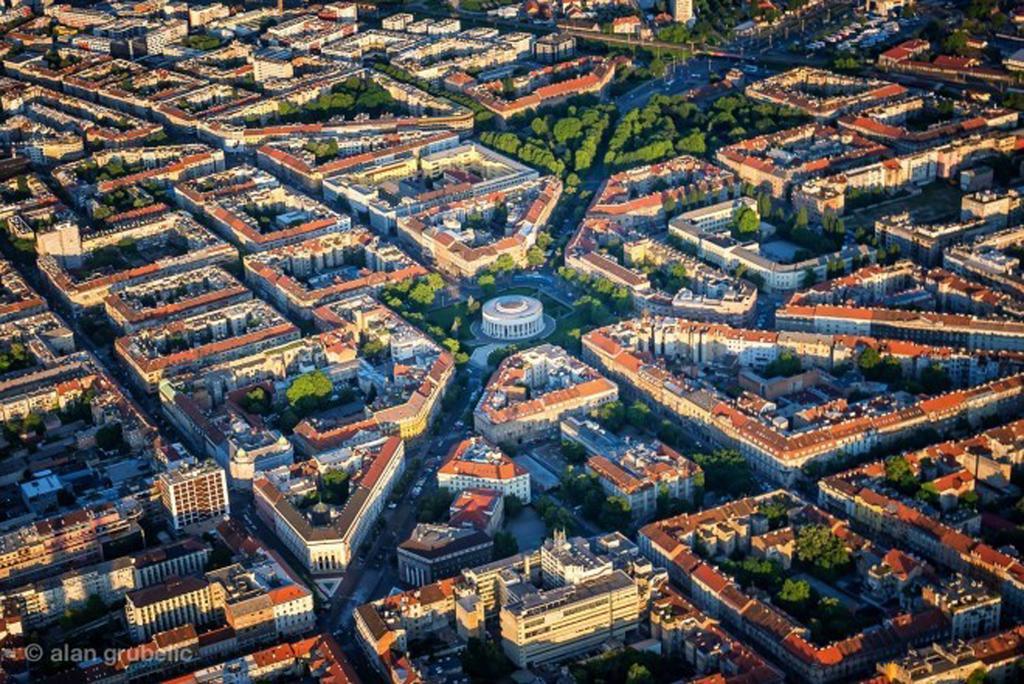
x=668, y=126
x=347, y=99
x=564, y=141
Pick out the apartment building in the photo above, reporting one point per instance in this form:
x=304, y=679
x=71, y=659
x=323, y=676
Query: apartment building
x=434, y=552
x=387, y=189
x=454, y=238
x=173, y=603
x=777, y=161
x=292, y=160
x=998, y=655
x=132, y=307
x=202, y=340
x=17, y=298
x=731, y=527
x=555, y=625
x=156, y=245
x=163, y=164
x=936, y=541
x=822, y=94
x=637, y=471
x=707, y=231
x=326, y=537
x=194, y=495
x=253, y=210
x=926, y=243
x=533, y=390
x=898, y=123
x=904, y=172
x=625, y=355
x=570, y=598
x=972, y=608
x=302, y=276
x=50, y=546
x=922, y=327
x=475, y=463
x=44, y=602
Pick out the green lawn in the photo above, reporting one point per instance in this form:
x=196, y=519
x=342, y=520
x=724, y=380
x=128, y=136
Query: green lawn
x=564, y=325
x=552, y=307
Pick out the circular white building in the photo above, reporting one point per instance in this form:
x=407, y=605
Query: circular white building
x=513, y=317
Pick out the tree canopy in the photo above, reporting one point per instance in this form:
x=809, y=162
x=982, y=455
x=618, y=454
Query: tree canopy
x=308, y=391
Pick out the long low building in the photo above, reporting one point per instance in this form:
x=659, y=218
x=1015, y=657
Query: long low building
x=636, y=355
x=202, y=340
x=302, y=276
x=954, y=330
x=154, y=302
x=708, y=231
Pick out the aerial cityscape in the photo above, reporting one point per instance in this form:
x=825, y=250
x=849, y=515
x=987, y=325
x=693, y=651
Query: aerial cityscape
x=512, y=341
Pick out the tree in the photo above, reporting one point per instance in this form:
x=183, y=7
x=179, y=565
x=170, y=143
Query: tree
x=638, y=674
x=334, y=486
x=876, y=368
x=567, y=129
x=109, y=437
x=726, y=471
x=822, y=551
x=486, y=283
x=434, y=281
x=484, y=661
x=503, y=264
x=535, y=256
x=505, y=545
x=801, y=219
x=309, y=391
x=256, y=401
x=978, y=676
x=422, y=295
x=694, y=144
x=928, y=493
x=611, y=415
x=969, y=500
x=451, y=345
x=956, y=42
x=776, y=512
x=372, y=347
x=869, y=359
x=513, y=506
x=762, y=573
x=898, y=472
x=935, y=379
x=434, y=507
x=746, y=222
x=810, y=278
x=638, y=415
x=786, y=365
x=795, y=596
x=573, y=453
x=616, y=514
